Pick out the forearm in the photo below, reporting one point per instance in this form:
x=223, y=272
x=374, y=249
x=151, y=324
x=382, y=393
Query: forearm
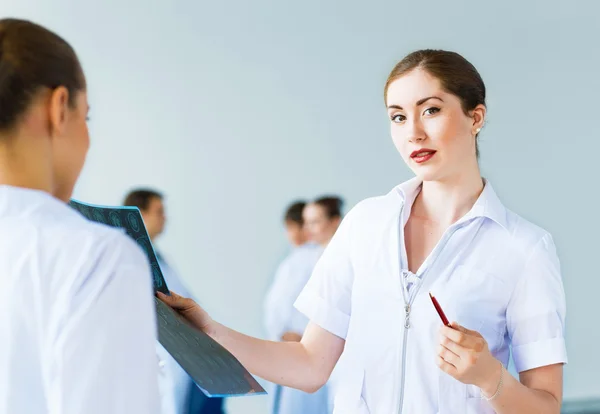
x=284, y=363
x=517, y=398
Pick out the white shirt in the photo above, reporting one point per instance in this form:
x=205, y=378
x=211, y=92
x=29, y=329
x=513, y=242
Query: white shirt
x=77, y=319
x=492, y=271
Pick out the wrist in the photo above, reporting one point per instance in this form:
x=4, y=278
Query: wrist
x=212, y=329
x=489, y=385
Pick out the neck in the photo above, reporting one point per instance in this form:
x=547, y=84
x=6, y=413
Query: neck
x=445, y=202
x=24, y=164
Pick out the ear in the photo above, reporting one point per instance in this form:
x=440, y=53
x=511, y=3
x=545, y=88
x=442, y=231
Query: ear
x=58, y=110
x=478, y=117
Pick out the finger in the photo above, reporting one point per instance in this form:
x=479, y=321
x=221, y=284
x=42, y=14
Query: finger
x=453, y=347
x=166, y=297
x=174, y=300
x=448, y=356
x=446, y=366
x=460, y=337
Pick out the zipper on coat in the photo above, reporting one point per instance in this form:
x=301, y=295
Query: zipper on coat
x=408, y=301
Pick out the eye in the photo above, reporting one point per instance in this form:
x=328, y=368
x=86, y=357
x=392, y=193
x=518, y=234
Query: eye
x=431, y=111
x=398, y=118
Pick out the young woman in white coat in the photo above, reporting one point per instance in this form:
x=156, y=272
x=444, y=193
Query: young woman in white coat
x=77, y=319
x=445, y=231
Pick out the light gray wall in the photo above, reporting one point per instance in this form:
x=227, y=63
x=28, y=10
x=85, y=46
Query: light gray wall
x=247, y=105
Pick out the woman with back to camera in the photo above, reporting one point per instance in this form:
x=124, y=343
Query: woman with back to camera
x=445, y=231
x=77, y=324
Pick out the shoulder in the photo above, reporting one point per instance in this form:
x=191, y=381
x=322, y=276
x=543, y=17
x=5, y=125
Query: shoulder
x=67, y=237
x=66, y=254
x=101, y=260
x=525, y=235
x=506, y=228
x=515, y=243
x=373, y=214
x=99, y=239
x=378, y=205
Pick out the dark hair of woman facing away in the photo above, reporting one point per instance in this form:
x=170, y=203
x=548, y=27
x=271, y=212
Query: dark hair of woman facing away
x=33, y=58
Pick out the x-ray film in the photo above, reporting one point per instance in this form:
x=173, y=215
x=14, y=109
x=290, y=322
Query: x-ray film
x=214, y=369
x=130, y=220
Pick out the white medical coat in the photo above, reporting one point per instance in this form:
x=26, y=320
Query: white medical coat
x=492, y=271
x=77, y=319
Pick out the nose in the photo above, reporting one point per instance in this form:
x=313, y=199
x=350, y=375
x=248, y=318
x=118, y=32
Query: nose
x=416, y=132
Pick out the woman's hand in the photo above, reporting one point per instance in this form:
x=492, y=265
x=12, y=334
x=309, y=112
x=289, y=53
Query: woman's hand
x=464, y=354
x=304, y=365
x=190, y=310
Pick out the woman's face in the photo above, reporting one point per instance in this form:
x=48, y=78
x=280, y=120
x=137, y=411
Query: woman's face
x=295, y=233
x=319, y=228
x=429, y=128
x=155, y=217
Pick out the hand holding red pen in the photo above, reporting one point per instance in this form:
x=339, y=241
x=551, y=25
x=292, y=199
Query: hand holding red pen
x=464, y=354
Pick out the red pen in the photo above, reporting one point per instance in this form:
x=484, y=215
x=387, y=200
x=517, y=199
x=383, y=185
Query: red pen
x=439, y=310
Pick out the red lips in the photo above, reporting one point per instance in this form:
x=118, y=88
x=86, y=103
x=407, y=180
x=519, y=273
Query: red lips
x=422, y=155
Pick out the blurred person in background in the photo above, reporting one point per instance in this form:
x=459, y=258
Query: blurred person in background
x=322, y=218
x=179, y=394
x=309, y=228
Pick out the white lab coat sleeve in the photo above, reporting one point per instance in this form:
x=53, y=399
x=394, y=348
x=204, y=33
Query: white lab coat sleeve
x=536, y=311
x=297, y=322
x=326, y=298
x=103, y=351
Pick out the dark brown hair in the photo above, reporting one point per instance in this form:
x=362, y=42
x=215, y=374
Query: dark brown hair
x=141, y=198
x=332, y=205
x=294, y=213
x=456, y=75
x=32, y=58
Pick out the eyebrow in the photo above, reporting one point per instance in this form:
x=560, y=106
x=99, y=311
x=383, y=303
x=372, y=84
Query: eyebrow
x=419, y=102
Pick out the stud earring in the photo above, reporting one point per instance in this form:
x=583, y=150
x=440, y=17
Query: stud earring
x=477, y=130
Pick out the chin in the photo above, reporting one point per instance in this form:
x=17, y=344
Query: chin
x=427, y=173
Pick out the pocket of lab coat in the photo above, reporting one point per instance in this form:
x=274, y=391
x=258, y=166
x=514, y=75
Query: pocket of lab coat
x=483, y=301
x=458, y=398
x=452, y=397
x=475, y=405
x=348, y=398
x=493, y=336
